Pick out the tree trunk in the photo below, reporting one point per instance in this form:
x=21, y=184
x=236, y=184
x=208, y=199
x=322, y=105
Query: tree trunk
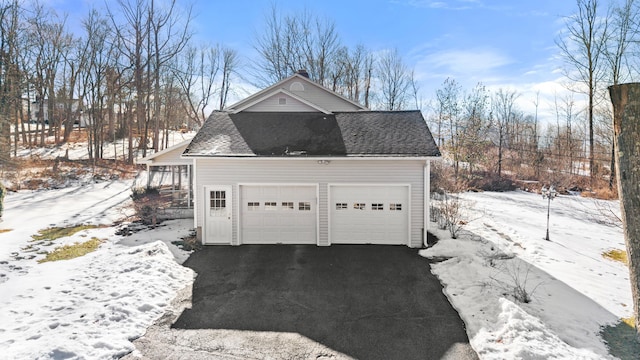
x=626, y=127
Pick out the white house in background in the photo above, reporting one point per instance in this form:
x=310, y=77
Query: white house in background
x=299, y=164
x=77, y=109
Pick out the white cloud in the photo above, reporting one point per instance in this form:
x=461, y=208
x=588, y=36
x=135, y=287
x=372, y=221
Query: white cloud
x=467, y=63
x=495, y=70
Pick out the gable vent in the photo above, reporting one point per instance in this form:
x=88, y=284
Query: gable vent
x=282, y=101
x=296, y=86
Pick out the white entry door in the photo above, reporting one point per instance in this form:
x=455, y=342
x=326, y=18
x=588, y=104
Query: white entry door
x=218, y=206
x=369, y=214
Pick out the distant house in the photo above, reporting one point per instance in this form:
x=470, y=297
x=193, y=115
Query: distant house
x=77, y=111
x=299, y=164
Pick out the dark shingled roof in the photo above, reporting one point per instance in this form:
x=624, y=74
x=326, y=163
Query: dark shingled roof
x=362, y=133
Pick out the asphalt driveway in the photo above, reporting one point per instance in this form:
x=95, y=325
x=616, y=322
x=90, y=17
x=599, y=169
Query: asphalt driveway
x=367, y=302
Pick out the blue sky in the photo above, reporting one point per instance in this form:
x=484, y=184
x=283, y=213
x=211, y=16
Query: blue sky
x=501, y=43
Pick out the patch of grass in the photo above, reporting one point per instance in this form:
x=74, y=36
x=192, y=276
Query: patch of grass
x=616, y=255
x=2, y=231
x=54, y=233
x=621, y=339
x=67, y=252
x=631, y=321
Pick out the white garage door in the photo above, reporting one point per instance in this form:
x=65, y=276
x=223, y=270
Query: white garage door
x=278, y=214
x=369, y=214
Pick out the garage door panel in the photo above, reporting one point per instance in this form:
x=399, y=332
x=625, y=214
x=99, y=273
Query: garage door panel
x=278, y=214
x=369, y=214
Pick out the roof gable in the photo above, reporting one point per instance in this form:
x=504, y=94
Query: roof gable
x=169, y=156
x=272, y=101
x=303, y=88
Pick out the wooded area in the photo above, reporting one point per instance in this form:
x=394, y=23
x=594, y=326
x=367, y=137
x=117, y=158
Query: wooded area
x=133, y=73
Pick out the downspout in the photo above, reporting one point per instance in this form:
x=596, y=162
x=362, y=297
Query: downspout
x=427, y=199
x=196, y=203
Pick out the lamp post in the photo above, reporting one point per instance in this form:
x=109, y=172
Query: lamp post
x=549, y=194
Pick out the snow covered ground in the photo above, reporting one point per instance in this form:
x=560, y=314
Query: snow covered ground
x=93, y=306
x=78, y=150
x=574, y=290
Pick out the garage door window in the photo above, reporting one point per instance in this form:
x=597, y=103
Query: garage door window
x=341, y=206
x=359, y=206
x=377, y=207
x=304, y=206
x=253, y=206
x=271, y=205
x=395, y=207
x=287, y=205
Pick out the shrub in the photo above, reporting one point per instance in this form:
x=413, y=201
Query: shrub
x=518, y=280
x=448, y=210
x=147, y=203
x=603, y=193
x=491, y=182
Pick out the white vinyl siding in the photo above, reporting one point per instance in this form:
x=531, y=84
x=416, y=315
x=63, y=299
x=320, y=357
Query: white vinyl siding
x=311, y=93
x=296, y=171
x=273, y=104
x=322, y=98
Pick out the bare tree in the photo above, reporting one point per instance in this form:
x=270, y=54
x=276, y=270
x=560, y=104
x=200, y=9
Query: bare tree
x=448, y=119
x=75, y=61
x=196, y=73
x=394, y=80
x=169, y=31
x=504, y=113
x=583, y=48
x=96, y=90
x=132, y=38
x=624, y=31
x=10, y=92
x=230, y=62
x=475, y=126
x=294, y=42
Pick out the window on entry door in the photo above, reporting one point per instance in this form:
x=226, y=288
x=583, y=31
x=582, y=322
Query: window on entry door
x=218, y=200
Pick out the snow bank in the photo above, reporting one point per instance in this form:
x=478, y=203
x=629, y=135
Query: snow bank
x=574, y=291
x=89, y=307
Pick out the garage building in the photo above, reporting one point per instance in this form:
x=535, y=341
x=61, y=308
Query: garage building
x=299, y=164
